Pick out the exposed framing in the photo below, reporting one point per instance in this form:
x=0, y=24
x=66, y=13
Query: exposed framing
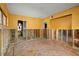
x=74, y=39
x=2, y=13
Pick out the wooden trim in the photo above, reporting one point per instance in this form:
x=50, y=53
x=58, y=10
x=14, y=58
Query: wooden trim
x=61, y=16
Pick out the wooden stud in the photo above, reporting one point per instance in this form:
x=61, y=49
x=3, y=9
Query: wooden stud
x=73, y=37
x=57, y=34
x=67, y=36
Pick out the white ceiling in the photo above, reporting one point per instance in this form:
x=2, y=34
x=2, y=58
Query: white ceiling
x=38, y=10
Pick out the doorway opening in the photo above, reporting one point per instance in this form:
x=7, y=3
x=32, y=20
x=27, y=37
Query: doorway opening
x=45, y=30
x=45, y=25
x=22, y=29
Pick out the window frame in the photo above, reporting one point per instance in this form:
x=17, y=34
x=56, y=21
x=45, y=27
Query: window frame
x=3, y=15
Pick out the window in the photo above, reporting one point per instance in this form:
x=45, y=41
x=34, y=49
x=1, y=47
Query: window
x=0, y=17
x=3, y=18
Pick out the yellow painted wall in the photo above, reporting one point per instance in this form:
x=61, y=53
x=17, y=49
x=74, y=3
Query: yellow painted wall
x=62, y=22
x=31, y=23
x=75, y=16
x=47, y=20
x=58, y=19
x=37, y=23
x=66, y=12
x=75, y=20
